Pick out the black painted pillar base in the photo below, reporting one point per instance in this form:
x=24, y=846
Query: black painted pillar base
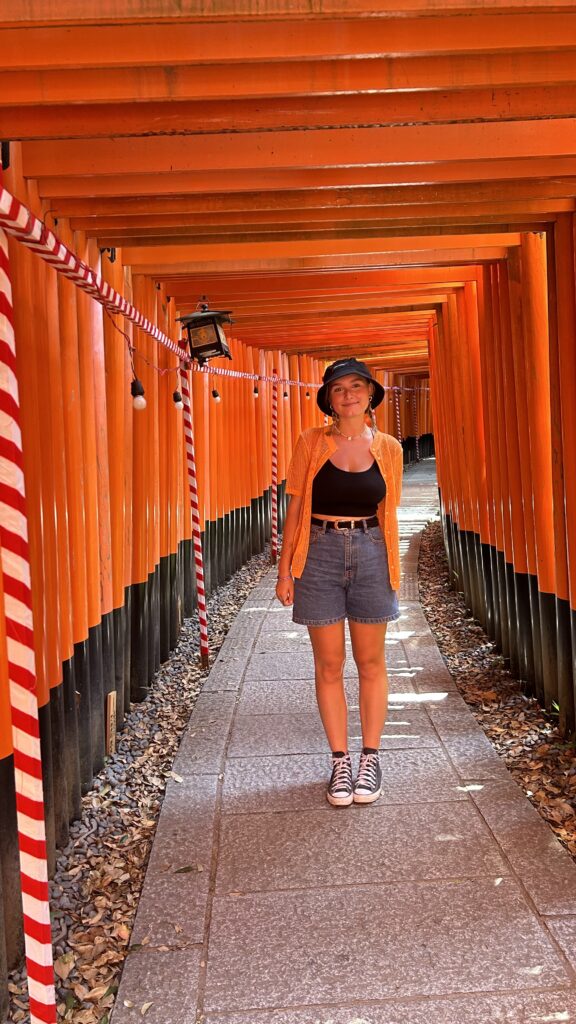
x=83, y=712
x=566, y=678
x=190, y=596
x=502, y=600
x=524, y=627
x=512, y=619
x=119, y=629
x=10, y=866
x=127, y=648
x=254, y=526
x=139, y=642
x=548, y=629
x=538, y=682
x=59, y=742
x=165, y=607
x=487, y=618
x=175, y=581
x=4, y=999
x=96, y=697
x=72, y=739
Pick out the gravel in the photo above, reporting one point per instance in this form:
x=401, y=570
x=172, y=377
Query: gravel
x=541, y=759
x=99, y=874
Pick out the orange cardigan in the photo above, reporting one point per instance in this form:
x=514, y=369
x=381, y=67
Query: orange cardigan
x=313, y=448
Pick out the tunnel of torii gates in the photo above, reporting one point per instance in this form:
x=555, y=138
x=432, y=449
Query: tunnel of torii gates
x=394, y=180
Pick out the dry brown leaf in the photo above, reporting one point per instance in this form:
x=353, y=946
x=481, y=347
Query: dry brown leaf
x=63, y=965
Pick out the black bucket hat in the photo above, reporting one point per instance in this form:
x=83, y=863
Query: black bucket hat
x=341, y=368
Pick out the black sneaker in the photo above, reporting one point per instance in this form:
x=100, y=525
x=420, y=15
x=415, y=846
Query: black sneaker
x=339, y=792
x=368, y=785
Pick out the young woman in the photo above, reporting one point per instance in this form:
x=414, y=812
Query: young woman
x=341, y=559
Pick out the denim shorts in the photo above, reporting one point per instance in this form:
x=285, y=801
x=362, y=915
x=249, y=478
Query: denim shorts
x=346, y=576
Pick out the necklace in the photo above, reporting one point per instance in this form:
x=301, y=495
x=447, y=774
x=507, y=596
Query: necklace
x=349, y=437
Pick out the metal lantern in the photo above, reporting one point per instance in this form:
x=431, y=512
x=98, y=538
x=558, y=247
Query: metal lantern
x=206, y=338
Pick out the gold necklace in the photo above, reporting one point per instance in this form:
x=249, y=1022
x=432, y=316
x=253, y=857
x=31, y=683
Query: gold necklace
x=349, y=437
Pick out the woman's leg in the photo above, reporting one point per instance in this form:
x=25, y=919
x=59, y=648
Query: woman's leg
x=329, y=657
x=368, y=650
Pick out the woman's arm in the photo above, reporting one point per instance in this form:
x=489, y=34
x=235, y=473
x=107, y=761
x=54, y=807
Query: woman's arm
x=285, y=587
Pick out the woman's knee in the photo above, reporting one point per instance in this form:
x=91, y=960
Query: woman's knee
x=329, y=668
x=371, y=666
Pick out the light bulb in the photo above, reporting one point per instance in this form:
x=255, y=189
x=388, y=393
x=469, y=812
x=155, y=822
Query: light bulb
x=307, y=394
x=137, y=392
x=285, y=394
x=177, y=398
x=215, y=395
x=255, y=391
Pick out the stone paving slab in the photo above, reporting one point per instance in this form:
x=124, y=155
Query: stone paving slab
x=525, y=1008
x=300, y=665
x=564, y=931
x=301, y=733
x=172, y=909
x=545, y=868
x=405, y=939
x=467, y=745
x=300, y=849
x=166, y=979
x=272, y=697
x=281, y=783
x=447, y=902
x=204, y=742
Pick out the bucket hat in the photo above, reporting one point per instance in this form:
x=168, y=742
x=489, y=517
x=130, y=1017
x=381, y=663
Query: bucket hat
x=341, y=368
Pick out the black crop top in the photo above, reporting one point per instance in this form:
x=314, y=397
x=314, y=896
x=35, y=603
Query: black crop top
x=336, y=492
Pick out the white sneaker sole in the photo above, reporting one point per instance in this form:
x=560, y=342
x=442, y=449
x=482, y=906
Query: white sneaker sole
x=366, y=798
x=339, y=801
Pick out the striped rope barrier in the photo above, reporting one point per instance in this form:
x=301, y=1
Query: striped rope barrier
x=195, y=505
x=416, y=427
x=15, y=561
x=274, y=539
x=397, y=411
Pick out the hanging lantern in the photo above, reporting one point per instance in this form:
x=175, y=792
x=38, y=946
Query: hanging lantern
x=205, y=336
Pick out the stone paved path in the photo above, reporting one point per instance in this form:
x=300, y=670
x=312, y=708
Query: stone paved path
x=447, y=902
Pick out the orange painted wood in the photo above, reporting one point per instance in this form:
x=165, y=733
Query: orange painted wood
x=67, y=11
x=412, y=144
x=514, y=454
x=566, y=319
x=289, y=78
x=536, y=341
x=117, y=407
x=232, y=186
x=127, y=195
x=562, y=588
x=52, y=120
x=522, y=410
x=245, y=42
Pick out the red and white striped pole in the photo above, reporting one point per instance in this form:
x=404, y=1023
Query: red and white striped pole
x=274, y=539
x=196, y=533
x=397, y=411
x=416, y=427
x=22, y=673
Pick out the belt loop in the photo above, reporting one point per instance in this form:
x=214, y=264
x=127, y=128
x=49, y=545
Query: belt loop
x=365, y=525
x=324, y=525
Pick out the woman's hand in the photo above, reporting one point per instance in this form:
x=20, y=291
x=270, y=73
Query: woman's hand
x=285, y=591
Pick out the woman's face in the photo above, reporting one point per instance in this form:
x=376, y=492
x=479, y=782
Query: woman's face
x=349, y=396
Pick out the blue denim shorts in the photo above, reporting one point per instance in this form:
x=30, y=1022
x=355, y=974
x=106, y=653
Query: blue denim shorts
x=346, y=576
